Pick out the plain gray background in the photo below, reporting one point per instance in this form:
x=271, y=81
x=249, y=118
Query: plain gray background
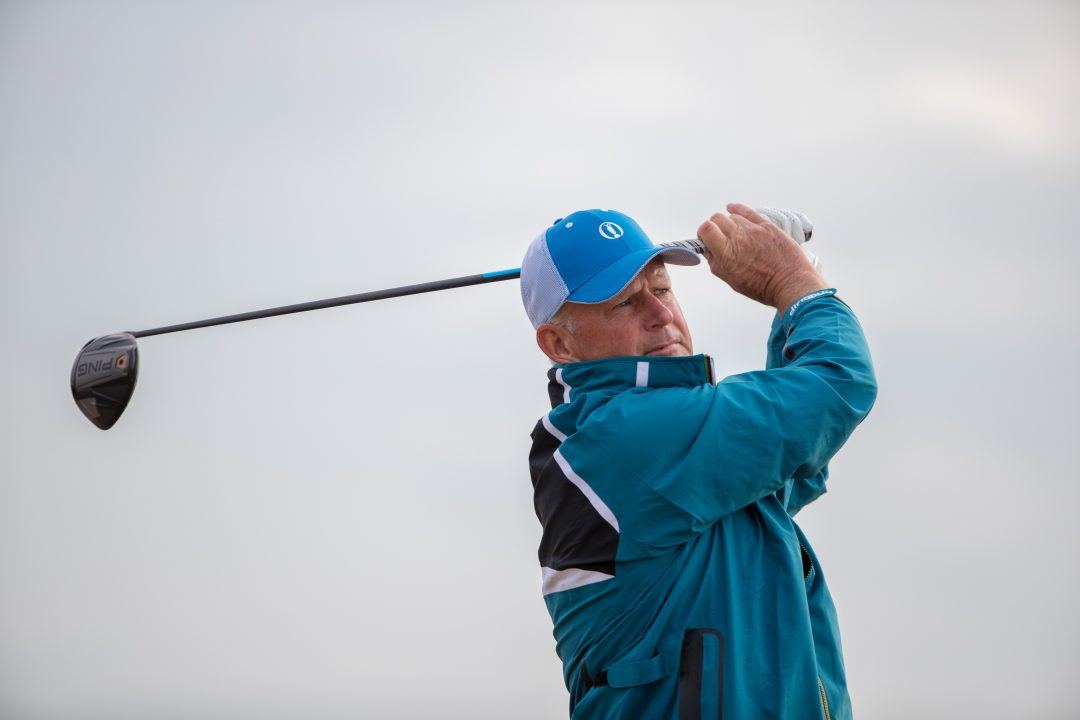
x=329, y=515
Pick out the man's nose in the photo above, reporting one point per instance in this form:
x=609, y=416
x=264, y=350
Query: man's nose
x=659, y=314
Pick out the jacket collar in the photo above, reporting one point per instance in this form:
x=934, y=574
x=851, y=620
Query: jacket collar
x=613, y=375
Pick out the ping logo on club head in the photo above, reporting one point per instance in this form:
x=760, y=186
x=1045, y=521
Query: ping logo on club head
x=610, y=230
x=99, y=365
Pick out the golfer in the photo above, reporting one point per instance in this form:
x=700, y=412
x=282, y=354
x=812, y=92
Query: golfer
x=677, y=581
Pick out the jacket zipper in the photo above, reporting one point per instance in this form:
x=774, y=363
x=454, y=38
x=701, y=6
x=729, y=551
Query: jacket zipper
x=820, y=685
x=824, y=700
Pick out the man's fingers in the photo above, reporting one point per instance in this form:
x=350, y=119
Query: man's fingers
x=713, y=238
x=724, y=223
x=708, y=232
x=743, y=222
x=740, y=210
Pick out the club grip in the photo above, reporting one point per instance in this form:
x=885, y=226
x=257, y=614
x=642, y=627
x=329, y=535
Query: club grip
x=695, y=245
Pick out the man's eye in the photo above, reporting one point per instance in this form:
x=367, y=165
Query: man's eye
x=624, y=303
x=663, y=290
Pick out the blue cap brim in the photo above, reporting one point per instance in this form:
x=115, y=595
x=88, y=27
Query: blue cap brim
x=614, y=278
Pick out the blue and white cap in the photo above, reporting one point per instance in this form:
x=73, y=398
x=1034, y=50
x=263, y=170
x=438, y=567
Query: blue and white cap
x=587, y=257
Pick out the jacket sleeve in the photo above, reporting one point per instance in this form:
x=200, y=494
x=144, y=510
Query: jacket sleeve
x=707, y=451
x=798, y=492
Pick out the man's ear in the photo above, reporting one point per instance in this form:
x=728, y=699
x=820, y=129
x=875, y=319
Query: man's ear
x=555, y=342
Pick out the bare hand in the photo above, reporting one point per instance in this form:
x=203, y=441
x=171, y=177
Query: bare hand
x=756, y=258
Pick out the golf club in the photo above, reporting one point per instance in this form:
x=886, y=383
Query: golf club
x=106, y=368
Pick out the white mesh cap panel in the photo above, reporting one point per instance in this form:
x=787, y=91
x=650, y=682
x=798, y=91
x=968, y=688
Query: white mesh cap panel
x=542, y=289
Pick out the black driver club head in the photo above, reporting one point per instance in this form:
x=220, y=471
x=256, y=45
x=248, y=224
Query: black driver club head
x=103, y=377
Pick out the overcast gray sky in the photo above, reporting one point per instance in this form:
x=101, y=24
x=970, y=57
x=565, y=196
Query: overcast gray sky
x=329, y=515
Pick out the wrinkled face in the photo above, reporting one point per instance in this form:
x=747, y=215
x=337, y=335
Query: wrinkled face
x=644, y=319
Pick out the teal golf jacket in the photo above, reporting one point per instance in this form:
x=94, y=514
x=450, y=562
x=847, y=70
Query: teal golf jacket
x=677, y=581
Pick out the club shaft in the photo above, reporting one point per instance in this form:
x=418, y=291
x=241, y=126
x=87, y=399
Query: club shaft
x=337, y=301
x=465, y=281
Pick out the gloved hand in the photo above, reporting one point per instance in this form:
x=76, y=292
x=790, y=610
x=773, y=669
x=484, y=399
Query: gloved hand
x=797, y=226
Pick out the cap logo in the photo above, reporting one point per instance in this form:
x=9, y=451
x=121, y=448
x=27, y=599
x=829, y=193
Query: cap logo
x=610, y=230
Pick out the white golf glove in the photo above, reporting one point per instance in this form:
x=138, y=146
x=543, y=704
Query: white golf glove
x=797, y=226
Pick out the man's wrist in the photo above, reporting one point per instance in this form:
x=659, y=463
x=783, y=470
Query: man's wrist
x=797, y=287
x=788, y=317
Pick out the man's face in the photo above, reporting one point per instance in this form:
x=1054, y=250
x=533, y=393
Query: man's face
x=644, y=319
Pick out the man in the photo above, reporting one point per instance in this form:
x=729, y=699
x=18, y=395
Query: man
x=678, y=584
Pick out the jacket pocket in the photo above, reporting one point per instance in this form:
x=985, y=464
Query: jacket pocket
x=701, y=675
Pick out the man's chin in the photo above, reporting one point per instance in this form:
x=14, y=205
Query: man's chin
x=675, y=349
